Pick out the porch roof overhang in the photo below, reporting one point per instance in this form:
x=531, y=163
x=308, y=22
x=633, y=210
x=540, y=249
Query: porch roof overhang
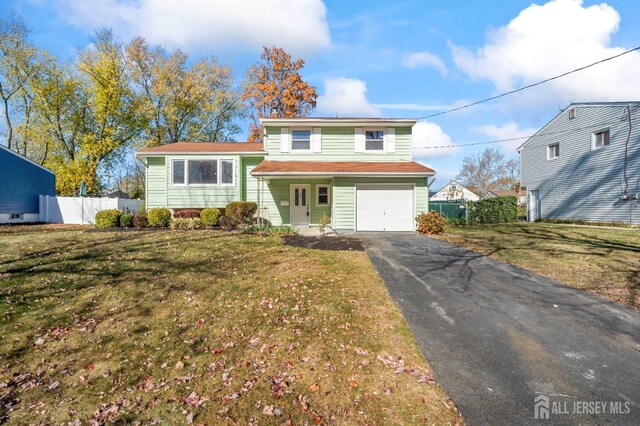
x=324, y=169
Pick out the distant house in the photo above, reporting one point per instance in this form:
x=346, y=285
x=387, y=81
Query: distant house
x=585, y=164
x=522, y=199
x=454, y=191
x=21, y=182
x=118, y=194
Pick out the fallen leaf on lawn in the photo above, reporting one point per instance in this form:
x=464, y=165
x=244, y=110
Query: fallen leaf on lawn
x=90, y=367
x=40, y=342
x=53, y=385
x=179, y=365
x=353, y=384
x=314, y=387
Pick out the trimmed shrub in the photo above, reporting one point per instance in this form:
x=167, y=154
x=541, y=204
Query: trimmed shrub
x=493, y=210
x=140, y=220
x=431, y=223
x=187, y=223
x=108, y=218
x=187, y=214
x=225, y=223
x=126, y=220
x=210, y=216
x=241, y=212
x=159, y=217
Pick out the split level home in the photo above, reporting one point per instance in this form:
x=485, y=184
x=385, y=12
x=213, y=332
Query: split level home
x=585, y=164
x=359, y=172
x=454, y=191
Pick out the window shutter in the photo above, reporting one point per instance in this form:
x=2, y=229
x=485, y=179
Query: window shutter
x=285, y=142
x=390, y=134
x=359, y=139
x=316, y=139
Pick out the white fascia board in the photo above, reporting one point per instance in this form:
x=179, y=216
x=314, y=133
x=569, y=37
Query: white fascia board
x=339, y=122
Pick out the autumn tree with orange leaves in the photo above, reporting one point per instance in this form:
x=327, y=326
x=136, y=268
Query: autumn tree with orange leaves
x=274, y=88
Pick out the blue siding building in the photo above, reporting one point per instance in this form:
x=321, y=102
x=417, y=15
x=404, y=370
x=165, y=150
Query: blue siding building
x=21, y=182
x=585, y=164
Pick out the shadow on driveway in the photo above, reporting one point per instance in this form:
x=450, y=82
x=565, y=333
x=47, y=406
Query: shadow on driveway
x=498, y=336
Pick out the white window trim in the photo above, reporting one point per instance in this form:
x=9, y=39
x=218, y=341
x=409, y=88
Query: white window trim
x=200, y=185
x=593, y=139
x=20, y=216
x=171, y=172
x=301, y=151
x=324, y=185
x=572, y=113
x=384, y=140
x=549, y=157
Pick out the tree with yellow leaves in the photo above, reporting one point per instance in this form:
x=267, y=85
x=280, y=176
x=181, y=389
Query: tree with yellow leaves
x=275, y=88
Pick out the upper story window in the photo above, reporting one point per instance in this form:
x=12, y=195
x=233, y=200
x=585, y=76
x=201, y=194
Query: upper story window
x=300, y=140
x=202, y=172
x=553, y=151
x=454, y=187
x=374, y=140
x=600, y=139
x=572, y=113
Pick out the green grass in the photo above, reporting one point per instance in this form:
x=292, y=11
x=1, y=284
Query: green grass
x=202, y=326
x=602, y=261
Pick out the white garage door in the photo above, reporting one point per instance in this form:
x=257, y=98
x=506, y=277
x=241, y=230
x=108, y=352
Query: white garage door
x=384, y=208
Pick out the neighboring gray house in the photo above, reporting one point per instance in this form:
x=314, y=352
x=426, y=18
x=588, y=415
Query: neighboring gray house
x=585, y=164
x=21, y=182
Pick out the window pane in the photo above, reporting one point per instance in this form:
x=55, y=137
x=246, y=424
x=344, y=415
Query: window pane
x=203, y=171
x=226, y=171
x=304, y=197
x=178, y=172
x=301, y=139
x=374, y=140
x=323, y=195
x=296, y=197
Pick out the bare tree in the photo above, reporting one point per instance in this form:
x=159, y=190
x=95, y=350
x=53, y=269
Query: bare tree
x=481, y=171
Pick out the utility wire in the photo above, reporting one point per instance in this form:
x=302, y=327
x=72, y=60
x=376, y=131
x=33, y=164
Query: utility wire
x=529, y=86
x=516, y=138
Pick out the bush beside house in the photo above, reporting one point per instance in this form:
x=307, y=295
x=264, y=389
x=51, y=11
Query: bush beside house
x=108, y=218
x=210, y=216
x=431, y=223
x=159, y=217
x=241, y=212
x=493, y=210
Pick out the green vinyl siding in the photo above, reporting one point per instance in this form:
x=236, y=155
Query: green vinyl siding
x=344, y=198
x=278, y=190
x=156, y=195
x=250, y=183
x=338, y=144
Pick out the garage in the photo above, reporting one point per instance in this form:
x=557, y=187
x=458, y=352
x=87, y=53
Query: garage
x=384, y=207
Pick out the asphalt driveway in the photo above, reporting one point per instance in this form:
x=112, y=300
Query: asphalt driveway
x=498, y=336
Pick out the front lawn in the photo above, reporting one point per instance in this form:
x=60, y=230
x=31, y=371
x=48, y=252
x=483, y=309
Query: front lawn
x=201, y=327
x=603, y=261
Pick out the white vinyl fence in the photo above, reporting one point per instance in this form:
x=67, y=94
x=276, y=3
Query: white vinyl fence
x=81, y=210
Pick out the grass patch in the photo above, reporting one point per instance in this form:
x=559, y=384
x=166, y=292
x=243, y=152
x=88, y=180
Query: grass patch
x=204, y=327
x=605, y=262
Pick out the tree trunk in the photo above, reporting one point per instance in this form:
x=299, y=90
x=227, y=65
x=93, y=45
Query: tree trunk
x=7, y=120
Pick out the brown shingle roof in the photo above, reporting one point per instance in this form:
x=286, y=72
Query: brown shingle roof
x=341, y=167
x=203, y=147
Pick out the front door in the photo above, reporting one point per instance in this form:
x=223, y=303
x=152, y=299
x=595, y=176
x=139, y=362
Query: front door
x=299, y=204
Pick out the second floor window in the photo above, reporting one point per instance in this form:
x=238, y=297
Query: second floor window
x=374, y=140
x=301, y=140
x=553, y=151
x=601, y=139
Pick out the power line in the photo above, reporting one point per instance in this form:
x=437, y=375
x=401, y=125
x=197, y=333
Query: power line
x=516, y=138
x=529, y=86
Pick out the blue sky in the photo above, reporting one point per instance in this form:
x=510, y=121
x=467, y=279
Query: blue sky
x=391, y=59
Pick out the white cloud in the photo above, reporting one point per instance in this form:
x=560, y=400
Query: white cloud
x=429, y=140
x=506, y=131
x=298, y=26
x=424, y=59
x=543, y=41
x=421, y=107
x=346, y=97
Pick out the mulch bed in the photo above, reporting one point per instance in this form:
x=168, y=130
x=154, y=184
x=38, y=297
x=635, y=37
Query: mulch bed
x=324, y=243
